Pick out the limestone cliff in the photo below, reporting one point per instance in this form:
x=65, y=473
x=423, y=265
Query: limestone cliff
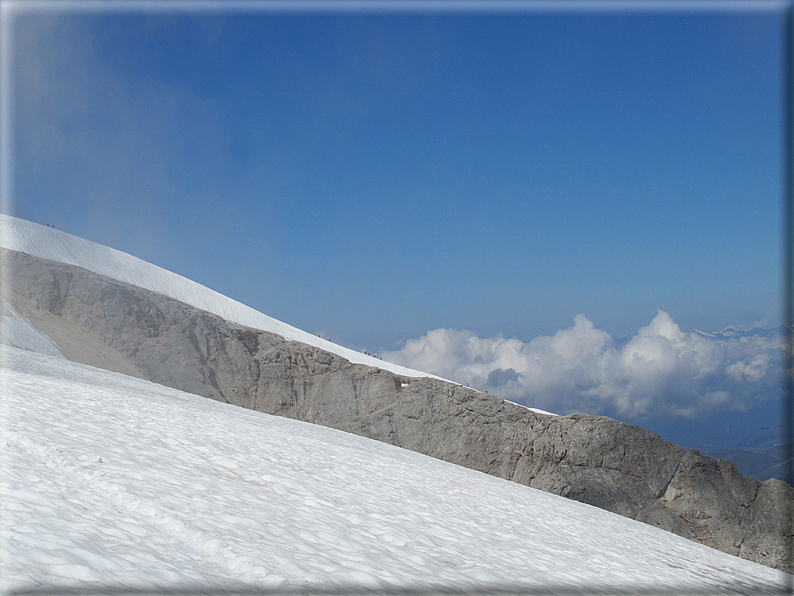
x=597, y=460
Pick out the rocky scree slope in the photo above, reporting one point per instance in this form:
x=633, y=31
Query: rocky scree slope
x=618, y=467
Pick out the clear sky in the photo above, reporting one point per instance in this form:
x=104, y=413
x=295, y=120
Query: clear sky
x=375, y=176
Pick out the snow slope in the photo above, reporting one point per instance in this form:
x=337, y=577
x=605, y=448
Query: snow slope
x=17, y=331
x=108, y=480
x=47, y=243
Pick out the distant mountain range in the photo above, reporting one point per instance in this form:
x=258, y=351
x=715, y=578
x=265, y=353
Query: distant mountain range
x=726, y=334
x=761, y=455
x=732, y=332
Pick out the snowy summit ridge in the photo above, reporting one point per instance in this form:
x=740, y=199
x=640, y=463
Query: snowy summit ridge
x=47, y=243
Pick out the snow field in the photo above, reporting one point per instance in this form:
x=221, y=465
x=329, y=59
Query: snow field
x=16, y=331
x=109, y=480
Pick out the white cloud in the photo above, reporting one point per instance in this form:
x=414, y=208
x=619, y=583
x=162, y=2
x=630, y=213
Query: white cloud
x=660, y=371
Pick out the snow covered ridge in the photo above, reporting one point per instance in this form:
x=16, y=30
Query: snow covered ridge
x=112, y=482
x=47, y=243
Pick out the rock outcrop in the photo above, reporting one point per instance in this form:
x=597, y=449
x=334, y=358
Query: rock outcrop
x=596, y=460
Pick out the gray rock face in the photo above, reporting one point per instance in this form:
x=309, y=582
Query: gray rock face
x=596, y=460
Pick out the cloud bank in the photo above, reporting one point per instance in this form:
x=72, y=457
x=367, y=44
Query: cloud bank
x=660, y=371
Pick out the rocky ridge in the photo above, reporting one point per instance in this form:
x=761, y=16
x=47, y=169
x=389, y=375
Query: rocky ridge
x=618, y=467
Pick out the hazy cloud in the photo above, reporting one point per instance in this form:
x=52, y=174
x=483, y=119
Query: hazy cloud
x=102, y=150
x=766, y=320
x=660, y=371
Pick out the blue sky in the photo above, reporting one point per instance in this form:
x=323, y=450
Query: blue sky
x=376, y=176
